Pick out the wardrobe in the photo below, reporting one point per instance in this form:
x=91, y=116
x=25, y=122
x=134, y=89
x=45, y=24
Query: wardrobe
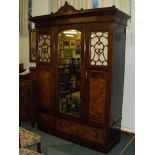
x=80, y=60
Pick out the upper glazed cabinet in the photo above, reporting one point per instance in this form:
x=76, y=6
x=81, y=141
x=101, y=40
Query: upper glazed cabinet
x=80, y=74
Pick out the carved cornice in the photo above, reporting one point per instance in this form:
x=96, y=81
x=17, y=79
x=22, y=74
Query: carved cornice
x=70, y=13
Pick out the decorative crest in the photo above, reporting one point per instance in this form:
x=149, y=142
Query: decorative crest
x=66, y=9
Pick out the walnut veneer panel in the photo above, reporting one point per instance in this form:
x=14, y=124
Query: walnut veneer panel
x=87, y=132
x=63, y=125
x=97, y=96
x=45, y=90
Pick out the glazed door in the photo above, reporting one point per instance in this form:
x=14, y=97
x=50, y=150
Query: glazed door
x=70, y=67
x=45, y=69
x=97, y=46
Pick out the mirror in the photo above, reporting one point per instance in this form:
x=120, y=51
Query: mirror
x=69, y=72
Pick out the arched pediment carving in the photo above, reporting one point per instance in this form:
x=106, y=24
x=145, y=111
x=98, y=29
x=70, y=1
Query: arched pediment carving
x=66, y=9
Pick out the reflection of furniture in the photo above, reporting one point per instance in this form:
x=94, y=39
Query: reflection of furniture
x=27, y=98
x=64, y=84
x=28, y=138
x=72, y=102
x=101, y=75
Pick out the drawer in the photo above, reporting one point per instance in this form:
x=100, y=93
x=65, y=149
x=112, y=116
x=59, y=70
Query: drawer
x=87, y=132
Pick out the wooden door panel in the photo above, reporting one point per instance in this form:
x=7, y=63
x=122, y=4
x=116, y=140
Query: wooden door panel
x=45, y=88
x=97, y=96
x=97, y=68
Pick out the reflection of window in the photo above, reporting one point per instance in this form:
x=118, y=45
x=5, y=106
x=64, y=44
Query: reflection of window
x=29, y=13
x=95, y=3
x=25, y=13
x=66, y=44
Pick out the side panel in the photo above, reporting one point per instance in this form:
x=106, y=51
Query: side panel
x=118, y=63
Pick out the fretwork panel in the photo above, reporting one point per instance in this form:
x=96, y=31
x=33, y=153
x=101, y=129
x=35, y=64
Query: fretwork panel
x=44, y=44
x=99, y=48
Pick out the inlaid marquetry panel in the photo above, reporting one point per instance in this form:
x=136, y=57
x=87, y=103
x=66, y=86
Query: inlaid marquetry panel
x=63, y=125
x=87, y=132
x=44, y=43
x=97, y=95
x=45, y=90
x=99, y=48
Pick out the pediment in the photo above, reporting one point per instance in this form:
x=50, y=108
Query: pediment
x=66, y=9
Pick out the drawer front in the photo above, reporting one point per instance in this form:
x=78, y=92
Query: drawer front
x=83, y=131
x=87, y=132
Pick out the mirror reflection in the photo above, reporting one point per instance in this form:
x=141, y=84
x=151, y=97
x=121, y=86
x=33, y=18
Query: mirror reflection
x=69, y=72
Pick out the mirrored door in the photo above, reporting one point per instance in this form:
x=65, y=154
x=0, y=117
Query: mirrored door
x=69, y=72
